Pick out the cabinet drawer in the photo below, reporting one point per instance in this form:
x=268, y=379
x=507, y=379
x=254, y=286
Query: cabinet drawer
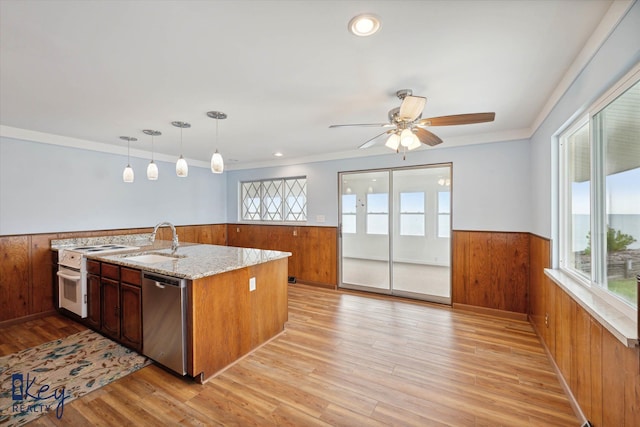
x=131, y=276
x=111, y=271
x=93, y=267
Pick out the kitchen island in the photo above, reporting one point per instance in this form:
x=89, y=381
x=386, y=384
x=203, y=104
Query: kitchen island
x=236, y=299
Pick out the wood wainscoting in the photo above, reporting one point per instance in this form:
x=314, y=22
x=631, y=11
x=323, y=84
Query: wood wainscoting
x=491, y=270
x=27, y=270
x=314, y=259
x=601, y=373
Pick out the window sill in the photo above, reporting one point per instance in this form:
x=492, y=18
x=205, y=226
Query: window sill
x=620, y=325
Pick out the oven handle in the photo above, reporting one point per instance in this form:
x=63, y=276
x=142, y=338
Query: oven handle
x=67, y=276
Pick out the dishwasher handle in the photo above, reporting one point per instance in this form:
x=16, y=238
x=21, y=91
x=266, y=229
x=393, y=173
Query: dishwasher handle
x=162, y=281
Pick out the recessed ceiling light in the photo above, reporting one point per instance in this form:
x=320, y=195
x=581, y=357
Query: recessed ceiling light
x=278, y=154
x=364, y=25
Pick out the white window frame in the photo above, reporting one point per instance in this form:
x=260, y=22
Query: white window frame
x=284, y=212
x=370, y=214
x=405, y=213
x=595, y=282
x=443, y=214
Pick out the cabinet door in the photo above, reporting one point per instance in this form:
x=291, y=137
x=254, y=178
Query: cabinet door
x=131, y=326
x=110, y=307
x=93, y=301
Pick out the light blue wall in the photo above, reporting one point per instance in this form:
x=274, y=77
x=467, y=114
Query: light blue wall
x=49, y=188
x=490, y=183
x=615, y=58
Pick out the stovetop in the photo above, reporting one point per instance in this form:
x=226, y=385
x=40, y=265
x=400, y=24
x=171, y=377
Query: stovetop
x=73, y=257
x=102, y=248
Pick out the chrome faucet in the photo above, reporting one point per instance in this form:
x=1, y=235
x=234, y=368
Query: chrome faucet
x=174, y=240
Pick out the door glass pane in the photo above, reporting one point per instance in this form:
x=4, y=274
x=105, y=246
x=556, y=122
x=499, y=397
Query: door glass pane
x=619, y=125
x=421, y=243
x=365, y=230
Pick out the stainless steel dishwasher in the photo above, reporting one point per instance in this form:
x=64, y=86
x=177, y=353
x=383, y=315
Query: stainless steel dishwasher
x=163, y=320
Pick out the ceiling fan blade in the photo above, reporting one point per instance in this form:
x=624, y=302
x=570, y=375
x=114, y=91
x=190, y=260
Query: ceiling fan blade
x=411, y=107
x=458, y=119
x=364, y=125
x=427, y=137
x=373, y=141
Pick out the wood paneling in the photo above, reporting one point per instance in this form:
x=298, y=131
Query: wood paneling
x=314, y=257
x=27, y=272
x=491, y=270
x=603, y=375
x=268, y=301
x=43, y=277
x=14, y=277
x=226, y=320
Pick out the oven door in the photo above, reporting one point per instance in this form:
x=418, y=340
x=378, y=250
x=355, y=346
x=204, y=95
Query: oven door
x=72, y=291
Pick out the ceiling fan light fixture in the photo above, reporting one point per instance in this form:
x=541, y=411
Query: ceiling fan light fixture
x=393, y=141
x=415, y=144
x=407, y=138
x=364, y=25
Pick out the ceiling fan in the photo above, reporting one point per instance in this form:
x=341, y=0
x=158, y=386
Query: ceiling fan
x=406, y=128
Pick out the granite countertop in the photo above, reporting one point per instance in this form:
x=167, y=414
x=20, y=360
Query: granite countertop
x=193, y=261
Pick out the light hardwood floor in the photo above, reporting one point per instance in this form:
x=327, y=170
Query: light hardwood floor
x=344, y=359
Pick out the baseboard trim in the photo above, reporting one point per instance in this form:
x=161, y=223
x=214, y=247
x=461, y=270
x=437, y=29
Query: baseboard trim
x=23, y=319
x=572, y=400
x=317, y=284
x=491, y=311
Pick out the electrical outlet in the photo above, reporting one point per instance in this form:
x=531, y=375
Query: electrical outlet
x=320, y=218
x=252, y=284
x=546, y=319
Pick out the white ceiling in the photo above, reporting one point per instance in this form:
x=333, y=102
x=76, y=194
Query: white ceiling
x=283, y=71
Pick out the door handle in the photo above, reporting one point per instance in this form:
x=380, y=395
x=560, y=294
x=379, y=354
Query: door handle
x=158, y=285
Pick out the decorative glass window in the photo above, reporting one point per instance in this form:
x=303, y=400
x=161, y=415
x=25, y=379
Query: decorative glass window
x=377, y=213
x=283, y=199
x=412, y=217
x=444, y=214
x=600, y=195
x=349, y=224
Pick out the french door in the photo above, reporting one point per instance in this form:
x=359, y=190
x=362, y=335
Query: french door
x=395, y=231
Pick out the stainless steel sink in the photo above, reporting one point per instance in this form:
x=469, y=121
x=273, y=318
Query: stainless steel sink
x=153, y=258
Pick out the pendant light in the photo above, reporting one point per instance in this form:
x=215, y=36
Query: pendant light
x=152, y=169
x=182, y=169
x=217, y=163
x=127, y=174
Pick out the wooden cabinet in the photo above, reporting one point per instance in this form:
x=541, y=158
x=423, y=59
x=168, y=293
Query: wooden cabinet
x=110, y=307
x=94, y=299
x=114, y=302
x=131, y=308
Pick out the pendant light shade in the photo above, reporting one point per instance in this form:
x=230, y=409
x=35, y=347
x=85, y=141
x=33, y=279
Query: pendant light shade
x=127, y=174
x=152, y=169
x=182, y=169
x=217, y=163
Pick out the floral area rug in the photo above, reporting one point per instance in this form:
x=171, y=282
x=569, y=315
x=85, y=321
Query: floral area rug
x=41, y=379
